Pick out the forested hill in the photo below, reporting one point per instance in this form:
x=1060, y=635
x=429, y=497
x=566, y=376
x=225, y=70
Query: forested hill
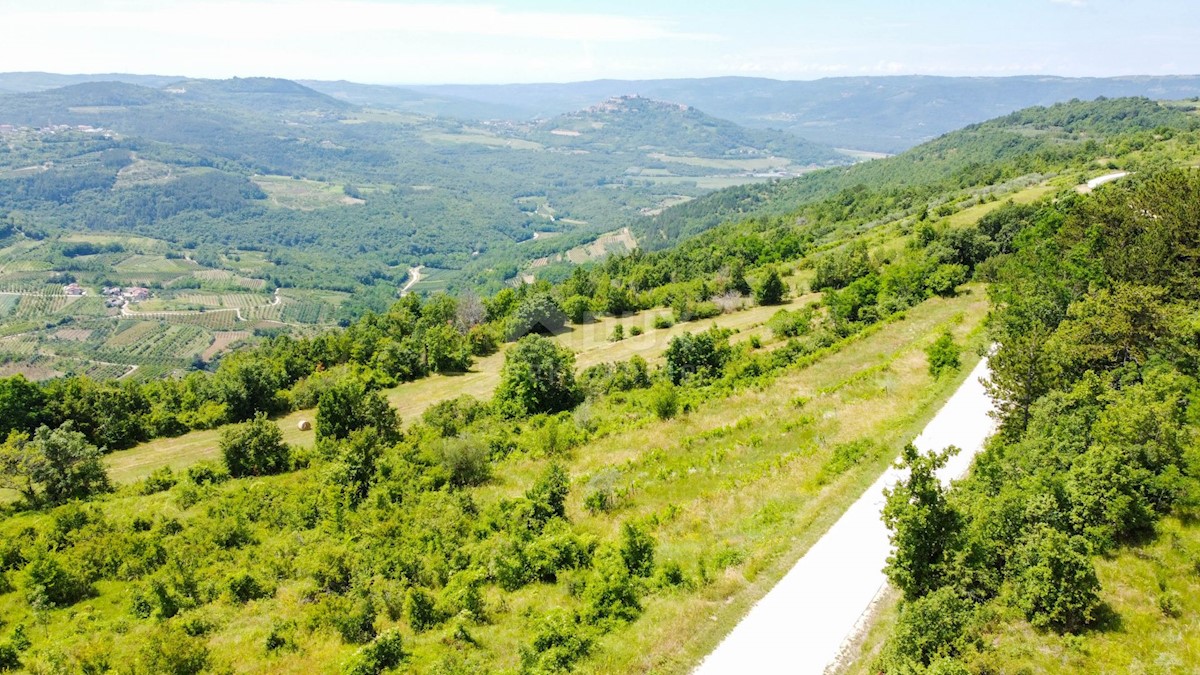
x=672, y=129
x=887, y=114
x=1024, y=143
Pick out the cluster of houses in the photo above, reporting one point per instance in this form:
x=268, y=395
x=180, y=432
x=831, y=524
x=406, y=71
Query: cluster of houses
x=115, y=296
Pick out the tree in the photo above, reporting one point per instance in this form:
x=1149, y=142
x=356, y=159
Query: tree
x=699, y=355
x=637, y=550
x=21, y=404
x=548, y=496
x=539, y=313
x=924, y=525
x=348, y=405
x=578, y=308
x=53, y=466
x=538, y=377
x=255, y=448
x=771, y=290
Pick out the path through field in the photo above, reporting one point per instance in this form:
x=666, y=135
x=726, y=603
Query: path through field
x=820, y=606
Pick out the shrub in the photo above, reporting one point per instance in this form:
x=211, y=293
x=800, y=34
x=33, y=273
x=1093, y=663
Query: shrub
x=637, y=550
x=559, y=642
x=255, y=448
x=465, y=461
x=422, y=610
x=771, y=290
x=578, y=309
x=1056, y=583
x=48, y=583
x=664, y=400
x=244, y=587
x=785, y=324
x=610, y=593
x=160, y=480
x=943, y=355
x=383, y=653
x=927, y=629
x=207, y=473
x=10, y=658
x=618, y=333
x=538, y=313
x=663, y=321
x=174, y=653
x=697, y=355
x=636, y=330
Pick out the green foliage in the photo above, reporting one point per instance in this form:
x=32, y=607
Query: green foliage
x=53, y=466
x=254, y=448
x=785, y=324
x=924, y=525
x=559, y=642
x=771, y=290
x=699, y=356
x=663, y=321
x=466, y=461
x=618, y=333
x=943, y=355
x=610, y=594
x=664, y=400
x=349, y=406
x=606, y=378
x=538, y=376
x=930, y=629
x=174, y=653
x=840, y=268
x=539, y=313
x=548, y=495
x=244, y=587
x=1057, y=585
x=49, y=583
x=637, y=550
x=383, y=653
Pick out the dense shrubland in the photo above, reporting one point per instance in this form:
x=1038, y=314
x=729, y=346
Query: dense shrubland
x=1094, y=315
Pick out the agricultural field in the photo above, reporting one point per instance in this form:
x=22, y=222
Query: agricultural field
x=303, y=195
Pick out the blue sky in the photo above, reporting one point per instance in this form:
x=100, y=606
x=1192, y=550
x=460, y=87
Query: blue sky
x=541, y=41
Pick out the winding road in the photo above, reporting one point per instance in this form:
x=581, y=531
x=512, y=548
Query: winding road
x=807, y=621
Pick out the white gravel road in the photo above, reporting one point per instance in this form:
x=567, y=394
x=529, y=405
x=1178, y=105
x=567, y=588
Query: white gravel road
x=803, y=624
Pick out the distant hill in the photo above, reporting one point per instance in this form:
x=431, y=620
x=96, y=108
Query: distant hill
x=672, y=129
x=421, y=103
x=35, y=81
x=263, y=94
x=886, y=114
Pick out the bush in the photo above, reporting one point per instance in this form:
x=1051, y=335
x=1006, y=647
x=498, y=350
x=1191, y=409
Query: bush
x=700, y=355
x=48, y=583
x=930, y=628
x=160, y=480
x=383, y=653
x=610, y=593
x=559, y=642
x=1056, y=583
x=637, y=330
x=465, y=461
x=637, y=550
x=943, y=355
x=664, y=400
x=663, y=321
x=9, y=657
x=422, y=610
x=255, y=448
x=618, y=333
x=537, y=314
x=244, y=587
x=174, y=653
x=785, y=324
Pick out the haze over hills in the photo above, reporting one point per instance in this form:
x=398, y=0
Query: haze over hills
x=882, y=113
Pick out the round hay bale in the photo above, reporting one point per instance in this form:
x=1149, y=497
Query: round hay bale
x=303, y=425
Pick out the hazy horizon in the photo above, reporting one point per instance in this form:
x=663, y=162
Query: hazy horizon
x=537, y=41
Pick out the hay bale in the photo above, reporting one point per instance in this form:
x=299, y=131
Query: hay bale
x=303, y=425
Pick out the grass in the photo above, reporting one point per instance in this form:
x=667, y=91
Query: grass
x=757, y=164
x=735, y=479
x=302, y=194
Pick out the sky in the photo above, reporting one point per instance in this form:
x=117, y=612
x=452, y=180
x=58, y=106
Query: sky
x=504, y=41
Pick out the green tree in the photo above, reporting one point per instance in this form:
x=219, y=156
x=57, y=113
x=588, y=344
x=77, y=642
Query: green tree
x=699, y=355
x=53, y=466
x=255, y=448
x=924, y=525
x=348, y=405
x=538, y=377
x=548, y=495
x=578, y=308
x=21, y=404
x=771, y=290
x=637, y=550
x=539, y=313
